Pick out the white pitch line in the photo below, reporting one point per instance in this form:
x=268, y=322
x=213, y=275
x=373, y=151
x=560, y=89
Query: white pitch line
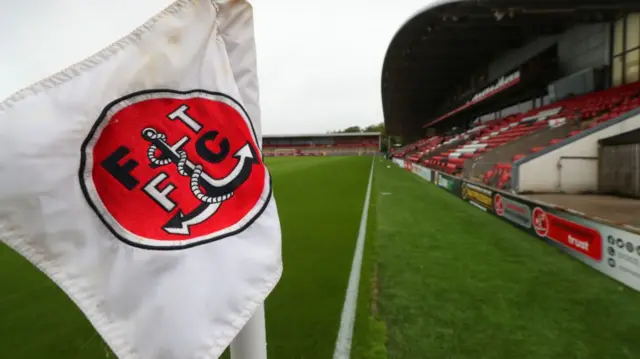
x=345, y=334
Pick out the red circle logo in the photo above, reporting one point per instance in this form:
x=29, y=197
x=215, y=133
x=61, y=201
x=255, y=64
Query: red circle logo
x=166, y=169
x=540, y=221
x=498, y=205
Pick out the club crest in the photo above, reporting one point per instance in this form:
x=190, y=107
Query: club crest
x=165, y=169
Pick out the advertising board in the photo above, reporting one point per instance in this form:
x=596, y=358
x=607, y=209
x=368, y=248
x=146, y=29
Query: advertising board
x=607, y=248
x=399, y=162
x=450, y=183
x=478, y=196
x=408, y=165
x=512, y=210
x=610, y=249
x=423, y=172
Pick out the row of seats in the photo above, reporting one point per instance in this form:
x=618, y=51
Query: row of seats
x=427, y=146
x=292, y=151
x=341, y=145
x=318, y=153
x=406, y=149
x=593, y=109
x=494, y=134
x=598, y=108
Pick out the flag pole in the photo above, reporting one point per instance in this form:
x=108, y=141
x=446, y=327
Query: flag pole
x=251, y=342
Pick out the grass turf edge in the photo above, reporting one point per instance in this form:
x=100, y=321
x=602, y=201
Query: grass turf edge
x=370, y=332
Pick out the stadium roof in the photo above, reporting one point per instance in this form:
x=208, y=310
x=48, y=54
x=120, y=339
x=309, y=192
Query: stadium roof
x=341, y=134
x=442, y=45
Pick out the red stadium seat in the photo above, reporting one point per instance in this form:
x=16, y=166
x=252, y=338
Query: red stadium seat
x=518, y=157
x=598, y=107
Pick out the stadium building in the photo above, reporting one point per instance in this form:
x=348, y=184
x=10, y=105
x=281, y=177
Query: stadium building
x=331, y=144
x=539, y=98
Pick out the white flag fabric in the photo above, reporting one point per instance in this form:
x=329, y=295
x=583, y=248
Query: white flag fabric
x=136, y=182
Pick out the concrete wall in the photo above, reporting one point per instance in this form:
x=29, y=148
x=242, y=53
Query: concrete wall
x=570, y=166
x=619, y=171
x=584, y=46
x=580, y=47
x=508, y=61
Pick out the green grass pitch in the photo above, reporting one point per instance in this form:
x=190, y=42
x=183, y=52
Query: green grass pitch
x=455, y=282
x=440, y=279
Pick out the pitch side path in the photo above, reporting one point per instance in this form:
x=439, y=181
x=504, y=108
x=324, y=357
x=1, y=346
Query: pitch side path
x=447, y=280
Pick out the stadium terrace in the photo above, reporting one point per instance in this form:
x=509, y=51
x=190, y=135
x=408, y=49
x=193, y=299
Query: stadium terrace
x=331, y=144
x=536, y=98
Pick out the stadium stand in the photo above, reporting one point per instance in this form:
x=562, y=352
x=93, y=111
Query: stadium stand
x=334, y=144
x=532, y=102
x=556, y=119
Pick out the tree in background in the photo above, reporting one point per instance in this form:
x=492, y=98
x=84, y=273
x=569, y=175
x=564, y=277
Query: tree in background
x=352, y=129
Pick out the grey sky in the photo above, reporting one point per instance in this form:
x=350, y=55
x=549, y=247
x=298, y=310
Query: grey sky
x=319, y=64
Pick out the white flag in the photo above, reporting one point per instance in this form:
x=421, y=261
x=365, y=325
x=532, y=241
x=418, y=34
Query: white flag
x=136, y=182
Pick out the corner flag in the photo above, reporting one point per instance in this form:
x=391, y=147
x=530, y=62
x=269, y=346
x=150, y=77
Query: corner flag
x=135, y=181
